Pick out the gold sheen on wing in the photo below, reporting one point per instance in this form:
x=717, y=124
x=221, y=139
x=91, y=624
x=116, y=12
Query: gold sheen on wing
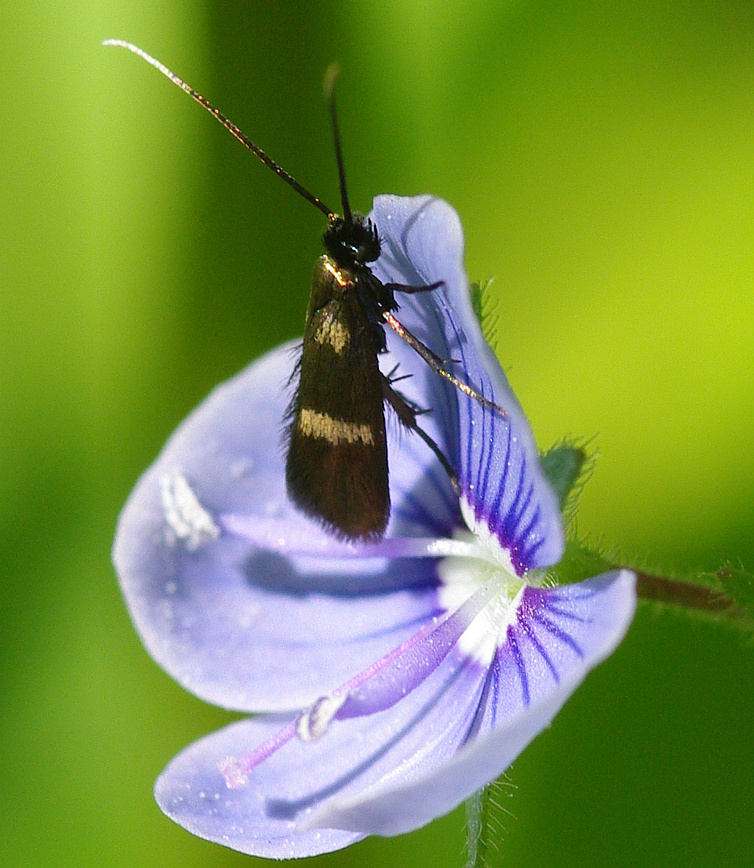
x=322, y=426
x=332, y=331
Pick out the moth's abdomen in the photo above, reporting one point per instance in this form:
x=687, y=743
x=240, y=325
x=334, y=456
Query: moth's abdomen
x=336, y=469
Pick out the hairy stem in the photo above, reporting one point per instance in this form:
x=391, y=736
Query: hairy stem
x=685, y=594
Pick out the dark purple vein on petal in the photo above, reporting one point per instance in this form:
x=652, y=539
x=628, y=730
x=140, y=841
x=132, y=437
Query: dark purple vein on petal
x=502, y=482
x=489, y=686
x=517, y=534
x=531, y=636
x=567, y=613
x=558, y=633
x=505, y=528
x=532, y=548
x=488, y=442
x=515, y=653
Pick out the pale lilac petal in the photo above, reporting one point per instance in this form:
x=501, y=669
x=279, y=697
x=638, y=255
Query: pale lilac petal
x=238, y=625
x=266, y=816
x=495, y=457
x=193, y=793
x=558, y=636
x=272, y=535
x=400, y=767
x=391, y=679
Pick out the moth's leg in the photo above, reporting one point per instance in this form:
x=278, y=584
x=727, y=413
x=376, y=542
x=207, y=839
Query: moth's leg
x=438, y=365
x=402, y=287
x=407, y=413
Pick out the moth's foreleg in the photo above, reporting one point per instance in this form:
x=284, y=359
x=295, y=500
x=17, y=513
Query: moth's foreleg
x=407, y=414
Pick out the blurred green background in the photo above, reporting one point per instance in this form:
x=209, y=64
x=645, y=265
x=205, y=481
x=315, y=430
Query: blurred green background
x=601, y=156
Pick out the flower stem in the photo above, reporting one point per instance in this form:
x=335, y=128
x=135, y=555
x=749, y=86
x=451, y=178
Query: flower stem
x=684, y=594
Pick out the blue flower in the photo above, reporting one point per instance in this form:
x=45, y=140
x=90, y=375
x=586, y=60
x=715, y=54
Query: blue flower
x=394, y=679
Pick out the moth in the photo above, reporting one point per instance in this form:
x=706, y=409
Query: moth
x=337, y=458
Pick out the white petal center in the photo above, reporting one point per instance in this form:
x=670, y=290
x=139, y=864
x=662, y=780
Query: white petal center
x=486, y=561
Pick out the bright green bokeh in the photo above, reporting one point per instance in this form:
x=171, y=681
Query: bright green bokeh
x=602, y=159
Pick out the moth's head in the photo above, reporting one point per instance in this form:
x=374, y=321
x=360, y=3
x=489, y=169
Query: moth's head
x=352, y=243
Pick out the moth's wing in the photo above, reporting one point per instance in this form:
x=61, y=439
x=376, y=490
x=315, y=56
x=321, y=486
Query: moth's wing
x=336, y=468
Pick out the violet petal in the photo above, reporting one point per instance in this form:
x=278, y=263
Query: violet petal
x=237, y=625
x=575, y=628
x=495, y=457
x=399, y=768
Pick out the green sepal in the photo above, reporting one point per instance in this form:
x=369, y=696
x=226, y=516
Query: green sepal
x=738, y=585
x=578, y=563
x=484, y=305
x=568, y=466
x=563, y=464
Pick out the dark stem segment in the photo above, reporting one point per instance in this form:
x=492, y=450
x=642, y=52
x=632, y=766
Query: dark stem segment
x=684, y=594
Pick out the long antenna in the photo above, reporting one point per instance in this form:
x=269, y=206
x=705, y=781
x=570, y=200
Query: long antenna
x=234, y=130
x=331, y=75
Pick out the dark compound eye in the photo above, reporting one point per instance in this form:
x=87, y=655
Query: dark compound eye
x=350, y=243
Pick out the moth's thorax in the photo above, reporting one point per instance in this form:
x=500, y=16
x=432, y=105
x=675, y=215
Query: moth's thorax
x=332, y=282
